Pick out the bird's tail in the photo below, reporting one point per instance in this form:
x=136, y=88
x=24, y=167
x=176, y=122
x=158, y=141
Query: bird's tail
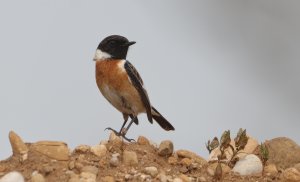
x=161, y=120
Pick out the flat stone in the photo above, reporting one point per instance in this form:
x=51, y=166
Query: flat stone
x=54, y=150
x=191, y=155
x=130, y=158
x=250, y=165
x=152, y=171
x=12, y=177
x=17, y=144
x=291, y=175
x=165, y=148
x=143, y=140
x=99, y=150
x=37, y=177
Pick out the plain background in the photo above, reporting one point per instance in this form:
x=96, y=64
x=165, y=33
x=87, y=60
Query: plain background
x=208, y=66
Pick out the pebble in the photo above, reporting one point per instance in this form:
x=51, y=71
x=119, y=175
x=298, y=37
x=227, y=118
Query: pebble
x=99, y=150
x=37, y=177
x=128, y=177
x=162, y=177
x=270, y=170
x=165, y=148
x=291, y=175
x=172, y=160
x=143, y=140
x=152, y=171
x=114, y=161
x=12, y=177
x=130, y=158
x=250, y=165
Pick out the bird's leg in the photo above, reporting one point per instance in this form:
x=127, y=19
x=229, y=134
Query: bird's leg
x=120, y=132
x=124, y=131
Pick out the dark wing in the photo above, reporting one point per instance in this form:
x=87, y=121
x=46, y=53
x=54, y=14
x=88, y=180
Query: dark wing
x=137, y=82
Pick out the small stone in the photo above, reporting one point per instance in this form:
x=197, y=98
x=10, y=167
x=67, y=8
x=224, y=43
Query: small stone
x=152, y=171
x=165, y=148
x=184, y=178
x=191, y=155
x=250, y=165
x=144, y=177
x=17, y=144
x=114, y=161
x=143, y=140
x=130, y=158
x=52, y=149
x=82, y=149
x=78, y=165
x=162, y=177
x=12, y=177
x=88, y=175
x=108, y=179
x=99, y=150
x=291, y=175
x=202, y=179
x=186, y=162
x=172, y=160
x=90, y=169
x=177, y=180
x=128, y=177
x=37, y=177
x=72, y=165
x=270, y=170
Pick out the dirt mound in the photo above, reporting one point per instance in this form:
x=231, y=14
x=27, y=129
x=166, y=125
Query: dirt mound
x=113, y=160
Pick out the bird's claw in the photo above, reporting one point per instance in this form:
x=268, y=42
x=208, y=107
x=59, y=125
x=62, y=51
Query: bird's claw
x=122, y=133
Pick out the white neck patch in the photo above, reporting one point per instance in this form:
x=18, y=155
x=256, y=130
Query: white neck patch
x=100, y=55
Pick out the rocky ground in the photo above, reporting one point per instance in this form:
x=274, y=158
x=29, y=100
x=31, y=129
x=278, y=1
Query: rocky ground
x=116, y=160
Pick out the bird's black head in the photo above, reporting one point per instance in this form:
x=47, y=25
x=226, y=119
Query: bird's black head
x=113, y=47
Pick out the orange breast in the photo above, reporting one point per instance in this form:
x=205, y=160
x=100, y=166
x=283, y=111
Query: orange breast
x=114, y=84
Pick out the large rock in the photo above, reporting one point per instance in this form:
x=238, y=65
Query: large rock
x=250, y=165
x=52, y=149
x=249, y=149
x=191, y=155
x=291, y=175
x=17, y=144
x=283, y=152
x=12, y=177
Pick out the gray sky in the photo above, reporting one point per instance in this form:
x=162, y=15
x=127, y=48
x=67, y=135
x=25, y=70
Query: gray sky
x=208, y=66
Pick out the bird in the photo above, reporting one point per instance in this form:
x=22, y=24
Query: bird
x=121, y=84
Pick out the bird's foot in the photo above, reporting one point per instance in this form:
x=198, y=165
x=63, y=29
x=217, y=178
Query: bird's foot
x=121, y=133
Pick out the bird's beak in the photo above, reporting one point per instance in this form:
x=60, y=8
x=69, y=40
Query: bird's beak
x=129, y=43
